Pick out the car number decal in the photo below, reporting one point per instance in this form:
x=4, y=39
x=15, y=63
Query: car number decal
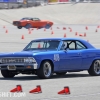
x=56, y=57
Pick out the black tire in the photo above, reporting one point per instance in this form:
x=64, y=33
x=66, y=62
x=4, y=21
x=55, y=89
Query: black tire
x=61, y=73
x=28, y=26
x=41, y=71
x=7, y=74
x=47, y=26
x=92, y=70
x=19, y=27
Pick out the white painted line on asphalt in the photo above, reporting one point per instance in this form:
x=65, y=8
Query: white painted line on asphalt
x=68, y=96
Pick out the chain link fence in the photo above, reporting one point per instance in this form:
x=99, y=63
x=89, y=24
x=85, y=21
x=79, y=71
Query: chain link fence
x=24, y=4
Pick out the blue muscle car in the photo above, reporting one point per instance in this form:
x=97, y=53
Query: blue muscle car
x=44, y=57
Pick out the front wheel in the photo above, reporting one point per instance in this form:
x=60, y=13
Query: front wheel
x=45, y=70
x=7, y=74
x=94, y=70
x=19, y=27
x=47, y=26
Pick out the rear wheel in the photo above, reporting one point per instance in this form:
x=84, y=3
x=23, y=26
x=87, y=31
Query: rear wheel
x=7, y=74
x=19, y=27
x=28, y=26
x=95, y=68
x=45, y=70
x=61, y=73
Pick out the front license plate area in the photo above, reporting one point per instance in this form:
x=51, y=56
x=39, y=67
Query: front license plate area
x=11, y=67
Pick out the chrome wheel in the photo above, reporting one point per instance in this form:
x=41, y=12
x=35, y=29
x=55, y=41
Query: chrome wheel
x=97, y=67
x=47, y=69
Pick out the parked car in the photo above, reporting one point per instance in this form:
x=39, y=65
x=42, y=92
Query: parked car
x=28, y=22
x=44, y=57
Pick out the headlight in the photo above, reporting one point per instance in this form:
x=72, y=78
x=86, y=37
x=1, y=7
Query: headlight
x=29, y=60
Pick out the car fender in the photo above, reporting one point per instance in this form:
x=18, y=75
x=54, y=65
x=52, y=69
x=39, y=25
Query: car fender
x=96, y=58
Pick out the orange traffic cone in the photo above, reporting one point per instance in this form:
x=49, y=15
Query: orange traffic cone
x=70, y=30
x=52, y=32
x=64, y=91
x=80, y=35
x=65, y=35
x=4, y=27
x=96, y=30
x=36, y=90
x=76, y=33
x=64, y=28
x=32, y=29
x=86, y=28
x=98, y=26
x=29, y=32
x=13, y=90
x=19, y=88
x=6, y=31
x=44, y=29
x=22, y=37
x=84, y=34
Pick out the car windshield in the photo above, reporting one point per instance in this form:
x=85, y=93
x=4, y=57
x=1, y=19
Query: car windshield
x=42, y=45
x=26, y=18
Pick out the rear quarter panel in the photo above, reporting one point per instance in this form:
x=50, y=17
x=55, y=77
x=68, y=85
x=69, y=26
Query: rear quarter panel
x=88, y=56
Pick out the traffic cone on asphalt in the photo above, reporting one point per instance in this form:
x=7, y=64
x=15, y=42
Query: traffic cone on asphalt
x=80, y=35
x=52, y=32
x=98, y=26
x=76, y=33
x=65, y=35
x=84, y=34
x=86, y=28
x=44, y=29
x=22, y=37
x=36, y=90
x=64, y=91
x=32, y=29
x=70, y=30
x=96, y=30
x=13, y=90
x=64, y=28
x=6, y=31
x=4, y=27
x=17, y=89
x=29, y=32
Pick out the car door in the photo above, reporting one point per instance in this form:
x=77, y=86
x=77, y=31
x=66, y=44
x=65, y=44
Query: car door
x=71, y=58
x=35, y=22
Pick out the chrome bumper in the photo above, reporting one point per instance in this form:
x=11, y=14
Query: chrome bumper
x=19, y=66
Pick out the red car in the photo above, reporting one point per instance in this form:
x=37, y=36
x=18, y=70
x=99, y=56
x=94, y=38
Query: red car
x=32, y=23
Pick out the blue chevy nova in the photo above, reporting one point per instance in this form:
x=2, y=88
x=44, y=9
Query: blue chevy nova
x=44, y=57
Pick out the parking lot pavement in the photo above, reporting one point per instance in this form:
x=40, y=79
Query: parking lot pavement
x=82, y=86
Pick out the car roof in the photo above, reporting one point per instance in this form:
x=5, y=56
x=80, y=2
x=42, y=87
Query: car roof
x=60, y=39
x=88, y=45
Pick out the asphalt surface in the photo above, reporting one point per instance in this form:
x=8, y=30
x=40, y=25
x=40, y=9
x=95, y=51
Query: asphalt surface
x=82, y=85
x=71, y=13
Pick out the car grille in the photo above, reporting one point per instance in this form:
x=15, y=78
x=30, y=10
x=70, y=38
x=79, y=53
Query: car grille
x=16, y=23
x=12, y=60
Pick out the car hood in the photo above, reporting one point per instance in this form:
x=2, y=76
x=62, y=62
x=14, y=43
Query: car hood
x=17, y=54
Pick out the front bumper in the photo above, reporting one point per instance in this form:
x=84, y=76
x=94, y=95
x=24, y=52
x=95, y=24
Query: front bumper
x=19, y=66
